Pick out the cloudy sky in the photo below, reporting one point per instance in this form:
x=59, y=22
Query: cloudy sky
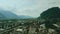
x=28, y=7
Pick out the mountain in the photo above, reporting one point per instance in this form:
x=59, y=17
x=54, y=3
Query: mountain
x=7, y=14
x=1, y=15
x=24, y=17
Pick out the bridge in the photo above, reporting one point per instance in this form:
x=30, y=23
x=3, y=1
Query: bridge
x=11, y=26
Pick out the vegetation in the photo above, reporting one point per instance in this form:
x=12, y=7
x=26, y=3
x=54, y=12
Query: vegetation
x=50, y=16
x=51, y=13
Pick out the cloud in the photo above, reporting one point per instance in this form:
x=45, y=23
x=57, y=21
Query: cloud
x=28, y=7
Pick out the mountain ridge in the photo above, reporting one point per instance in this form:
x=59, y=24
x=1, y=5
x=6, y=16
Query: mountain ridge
x=10, y=15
